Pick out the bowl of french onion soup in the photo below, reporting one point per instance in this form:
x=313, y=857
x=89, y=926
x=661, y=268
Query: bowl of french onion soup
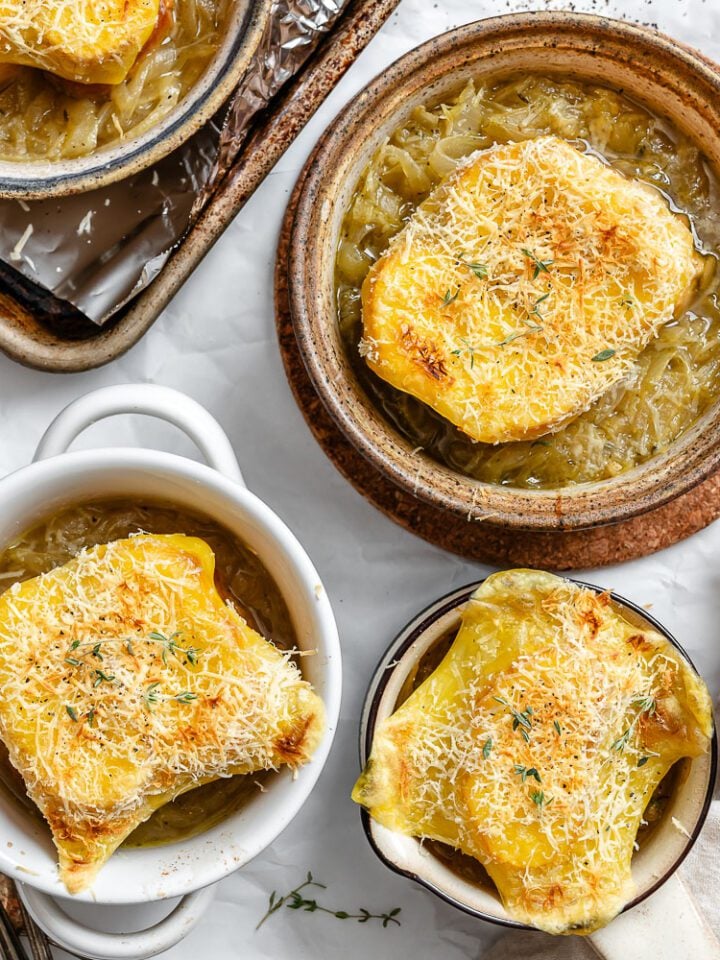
x=95, y=90
x=503, y=271
x=541, y=754
x=169, y=673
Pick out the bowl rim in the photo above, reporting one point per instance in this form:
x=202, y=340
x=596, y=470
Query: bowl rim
x=390, y=661
x=226, y=847
x=636, y=491
x=36, y=180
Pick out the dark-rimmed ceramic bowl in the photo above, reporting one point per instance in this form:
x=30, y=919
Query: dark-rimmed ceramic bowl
x=652, y=866
x=241, y=35
x=670, y=78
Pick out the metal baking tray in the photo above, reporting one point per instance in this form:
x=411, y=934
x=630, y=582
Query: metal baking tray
x=41, y=336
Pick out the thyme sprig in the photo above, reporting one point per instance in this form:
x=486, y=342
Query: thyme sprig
x=169, y=644
x=479, y=269
x=152, y=696
x=525, y=772
x=541, y=266
x=645, y=704
x=466, y=348
x=521, y=718
x=294, y=900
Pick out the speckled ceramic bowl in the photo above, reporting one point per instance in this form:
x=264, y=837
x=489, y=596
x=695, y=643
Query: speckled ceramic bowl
x=663, y=927
x=241, y=36
x=654, y=69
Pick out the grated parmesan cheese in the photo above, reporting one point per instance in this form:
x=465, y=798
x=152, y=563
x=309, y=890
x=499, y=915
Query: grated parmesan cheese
x=524, y=287
x=536, y=745
x=125, y=680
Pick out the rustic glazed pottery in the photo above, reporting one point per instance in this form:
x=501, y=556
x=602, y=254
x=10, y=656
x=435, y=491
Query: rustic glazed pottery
x=669, y=78
x=242, y=32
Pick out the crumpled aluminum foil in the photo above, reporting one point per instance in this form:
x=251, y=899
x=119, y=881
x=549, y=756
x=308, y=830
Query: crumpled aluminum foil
x=96, y=251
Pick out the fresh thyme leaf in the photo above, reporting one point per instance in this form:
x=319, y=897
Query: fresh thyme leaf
x=541, y=266
x=450, y=298
x=539, y=799
x=604, y=355
x=467, y=348
x=535, y=312
x=622, y=741
x=151, y=696
x=74, y=661
x=520, y=333
x=185, y=697
x=487, y=747
x=525, y=735
x=91, y=717
x=557, y=727
x=71, y=712
x=525, y=772
x=479, y=269
x=521, y=719
x=75, y=644
x=294, y=900
x=102, y=677
x=646, y=704
x=642, y=761
x=96, y=651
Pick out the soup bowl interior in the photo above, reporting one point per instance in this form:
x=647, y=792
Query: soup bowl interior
x=660, y=74
x=240, y=34
x=135, y=875
x=655, y=861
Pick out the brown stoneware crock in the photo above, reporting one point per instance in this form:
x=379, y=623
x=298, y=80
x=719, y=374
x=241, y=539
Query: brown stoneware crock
x=664, y=75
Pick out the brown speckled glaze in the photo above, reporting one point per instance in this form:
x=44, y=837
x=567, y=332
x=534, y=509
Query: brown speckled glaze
x=483, y=541
x=671, y=79
x=242, y=34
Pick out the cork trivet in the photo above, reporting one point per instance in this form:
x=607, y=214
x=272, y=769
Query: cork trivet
x=9, y=900
x=475, y=540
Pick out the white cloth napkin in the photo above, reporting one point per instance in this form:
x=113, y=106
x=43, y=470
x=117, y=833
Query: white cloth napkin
x=700, y=873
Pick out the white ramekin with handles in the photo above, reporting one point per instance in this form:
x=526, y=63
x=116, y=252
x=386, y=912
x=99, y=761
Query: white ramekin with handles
x=58, y=478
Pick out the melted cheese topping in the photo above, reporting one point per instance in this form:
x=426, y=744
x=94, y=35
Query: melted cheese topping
x=524, y=287
x=125, y=680
x=89, y=41
x=536, y=745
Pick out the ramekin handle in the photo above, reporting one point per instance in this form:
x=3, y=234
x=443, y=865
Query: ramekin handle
x=78, y=939
x=666, y=926
x=149, y=399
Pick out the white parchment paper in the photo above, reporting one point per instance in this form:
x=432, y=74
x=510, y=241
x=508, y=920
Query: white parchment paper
x=217, y=342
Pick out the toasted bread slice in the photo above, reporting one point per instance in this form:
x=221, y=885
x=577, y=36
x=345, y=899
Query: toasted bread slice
x=126, y=680
x=536, y=745
x=524, y=287
x=86, y=41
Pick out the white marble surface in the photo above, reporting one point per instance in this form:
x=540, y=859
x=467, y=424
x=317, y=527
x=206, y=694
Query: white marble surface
x=217, y=342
